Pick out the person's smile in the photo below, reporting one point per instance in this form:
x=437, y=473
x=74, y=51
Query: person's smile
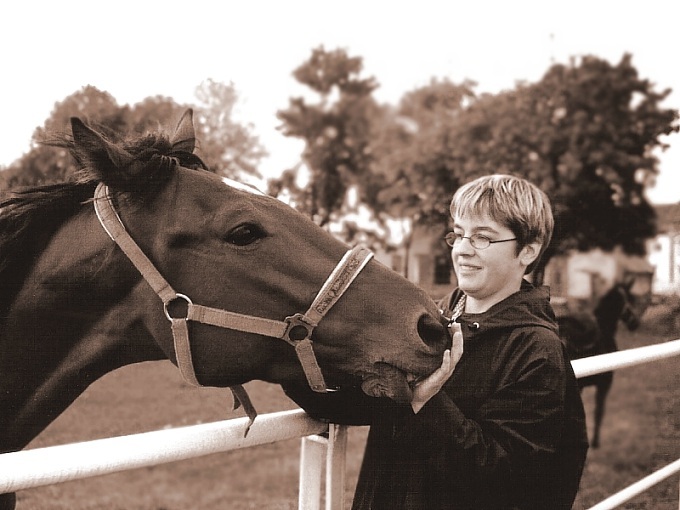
x=467, y=268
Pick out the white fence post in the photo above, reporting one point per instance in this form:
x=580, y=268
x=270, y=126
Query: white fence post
x=312, y=456
x=335, y=467
x=316, y=451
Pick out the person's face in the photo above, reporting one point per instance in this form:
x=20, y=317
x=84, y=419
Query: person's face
x=491, y=274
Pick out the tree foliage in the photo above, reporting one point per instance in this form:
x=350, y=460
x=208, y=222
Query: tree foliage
x=336, y=129
x=226, y=146
x=415, y=166
x=45, y=165
x=412, y=171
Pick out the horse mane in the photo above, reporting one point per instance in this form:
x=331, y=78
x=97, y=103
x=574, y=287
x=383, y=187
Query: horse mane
x=30, y=217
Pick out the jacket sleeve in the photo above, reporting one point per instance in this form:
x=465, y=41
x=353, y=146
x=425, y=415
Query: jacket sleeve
x=513, y=434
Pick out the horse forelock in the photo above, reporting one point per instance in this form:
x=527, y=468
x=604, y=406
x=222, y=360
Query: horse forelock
x=149, y=163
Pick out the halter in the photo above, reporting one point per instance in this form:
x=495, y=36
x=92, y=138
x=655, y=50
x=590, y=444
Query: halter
x=296, y=329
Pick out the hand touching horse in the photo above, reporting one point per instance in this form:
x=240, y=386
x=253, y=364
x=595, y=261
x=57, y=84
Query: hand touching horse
x=74, y=304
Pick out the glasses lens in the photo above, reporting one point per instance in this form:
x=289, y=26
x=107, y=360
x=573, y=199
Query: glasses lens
x=479, y=242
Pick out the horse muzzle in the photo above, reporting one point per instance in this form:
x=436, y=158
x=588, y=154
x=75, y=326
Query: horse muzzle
x=389, y=381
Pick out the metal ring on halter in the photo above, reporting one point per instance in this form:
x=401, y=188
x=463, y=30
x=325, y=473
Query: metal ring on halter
x=298, y=329
x=177, y=297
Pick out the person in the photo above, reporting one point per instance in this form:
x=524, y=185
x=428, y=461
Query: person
x=501, y=424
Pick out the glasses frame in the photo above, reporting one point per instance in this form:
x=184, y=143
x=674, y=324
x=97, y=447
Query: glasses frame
x=452, y=239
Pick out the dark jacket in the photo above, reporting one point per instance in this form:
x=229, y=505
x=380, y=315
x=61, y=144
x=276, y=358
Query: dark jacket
x=507, y=431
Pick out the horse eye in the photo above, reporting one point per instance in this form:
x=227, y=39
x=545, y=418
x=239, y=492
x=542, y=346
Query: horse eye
x=245, y=234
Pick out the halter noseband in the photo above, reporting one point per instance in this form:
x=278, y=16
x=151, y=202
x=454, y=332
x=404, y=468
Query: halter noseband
x=296, y=329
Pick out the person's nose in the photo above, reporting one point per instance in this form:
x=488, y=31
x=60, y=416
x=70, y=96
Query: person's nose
x=463, y=247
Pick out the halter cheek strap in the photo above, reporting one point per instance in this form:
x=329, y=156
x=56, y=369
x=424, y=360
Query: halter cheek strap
x=296, y=329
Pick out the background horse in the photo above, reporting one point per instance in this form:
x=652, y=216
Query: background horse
x=588, y=333
x=73, y=307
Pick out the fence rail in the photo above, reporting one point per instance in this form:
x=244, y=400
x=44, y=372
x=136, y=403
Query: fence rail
x=627, y=358
x=46, y=466
x=54, y=464
x=638, y=487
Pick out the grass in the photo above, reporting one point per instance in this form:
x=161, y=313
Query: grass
x=641, y=433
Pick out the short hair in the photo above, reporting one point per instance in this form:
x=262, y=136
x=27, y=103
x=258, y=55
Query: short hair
x=511, y=201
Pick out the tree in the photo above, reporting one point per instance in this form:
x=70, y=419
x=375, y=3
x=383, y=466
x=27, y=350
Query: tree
x=152, y=114
x=415, y=164
x=413, y=171
x=336, y=130
x=227, y=147
x=90, y=104
x=44, y=164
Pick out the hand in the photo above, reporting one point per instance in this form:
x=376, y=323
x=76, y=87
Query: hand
x=427, y=388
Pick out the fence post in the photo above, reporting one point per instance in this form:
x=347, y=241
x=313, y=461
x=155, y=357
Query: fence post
x=312, y=455
x=335, y=467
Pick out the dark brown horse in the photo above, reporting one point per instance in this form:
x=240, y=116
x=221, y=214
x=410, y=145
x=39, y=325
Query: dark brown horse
x=588, y=333
x=74, y=307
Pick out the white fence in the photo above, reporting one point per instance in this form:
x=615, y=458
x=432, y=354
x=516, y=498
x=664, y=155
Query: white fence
x=46, y=466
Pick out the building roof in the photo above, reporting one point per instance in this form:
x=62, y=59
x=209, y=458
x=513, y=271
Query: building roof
x=668, y=218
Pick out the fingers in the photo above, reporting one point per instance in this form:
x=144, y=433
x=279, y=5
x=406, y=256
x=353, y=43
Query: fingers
x=456, y=343
x=446, y=360
x=430, y=386
x=446, y=368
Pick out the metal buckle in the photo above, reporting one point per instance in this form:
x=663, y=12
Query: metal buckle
x=178, y=306
x=298, y=328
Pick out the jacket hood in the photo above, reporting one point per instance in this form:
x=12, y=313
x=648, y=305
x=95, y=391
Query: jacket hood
x=530, y=306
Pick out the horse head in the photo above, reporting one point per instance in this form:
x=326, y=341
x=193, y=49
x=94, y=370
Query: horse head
x=233, y=249
x=618, y=304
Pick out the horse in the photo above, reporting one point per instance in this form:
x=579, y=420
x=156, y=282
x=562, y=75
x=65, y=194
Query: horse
x=587, y=333
x=88, y=270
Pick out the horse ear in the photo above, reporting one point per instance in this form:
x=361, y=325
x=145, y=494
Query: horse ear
x=91, y=146
x=184, y=138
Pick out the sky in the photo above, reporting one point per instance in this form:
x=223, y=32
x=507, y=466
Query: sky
x=136, y=49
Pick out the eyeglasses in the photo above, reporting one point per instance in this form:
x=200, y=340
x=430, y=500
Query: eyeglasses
x=478, y=241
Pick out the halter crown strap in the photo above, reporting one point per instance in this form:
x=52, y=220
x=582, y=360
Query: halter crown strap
x=296, y=330
x=113, y=225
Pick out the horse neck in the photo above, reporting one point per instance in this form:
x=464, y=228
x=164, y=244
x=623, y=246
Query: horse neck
x=609, y=309
x=77, y=317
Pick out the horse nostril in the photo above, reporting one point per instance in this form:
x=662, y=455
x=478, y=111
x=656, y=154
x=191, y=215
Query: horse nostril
x=431, y=331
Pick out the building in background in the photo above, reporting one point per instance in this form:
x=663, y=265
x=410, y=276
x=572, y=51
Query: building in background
x=664, y=251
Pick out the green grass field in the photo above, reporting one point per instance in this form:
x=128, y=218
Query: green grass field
x=641, y=433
